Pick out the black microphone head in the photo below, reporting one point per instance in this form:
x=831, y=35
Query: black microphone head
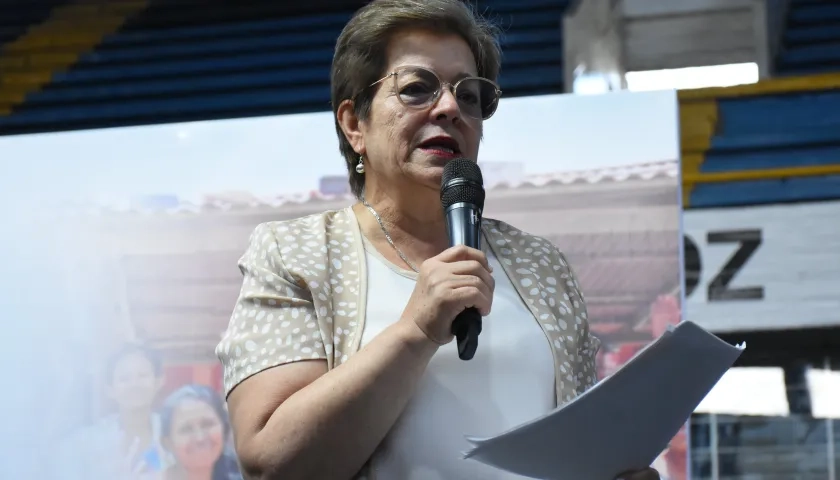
x=462, y=182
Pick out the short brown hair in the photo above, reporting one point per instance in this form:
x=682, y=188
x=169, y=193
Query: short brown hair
x=360, y=53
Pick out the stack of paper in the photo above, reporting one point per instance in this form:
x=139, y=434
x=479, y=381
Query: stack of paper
x=624, y=422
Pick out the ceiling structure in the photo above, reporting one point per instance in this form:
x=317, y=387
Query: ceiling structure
x=605, y=39
x=688, y=33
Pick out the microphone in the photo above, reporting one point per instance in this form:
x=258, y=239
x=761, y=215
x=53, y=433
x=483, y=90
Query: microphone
x=462, y=197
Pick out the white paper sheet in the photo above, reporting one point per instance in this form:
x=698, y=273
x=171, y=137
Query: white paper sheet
x=622, y=423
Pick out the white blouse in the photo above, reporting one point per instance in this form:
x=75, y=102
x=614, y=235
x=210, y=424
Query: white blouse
x=509, y=381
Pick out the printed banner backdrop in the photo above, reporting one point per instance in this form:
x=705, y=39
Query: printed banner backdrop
x=770, y=267
x=137, y=284
x=760, y=268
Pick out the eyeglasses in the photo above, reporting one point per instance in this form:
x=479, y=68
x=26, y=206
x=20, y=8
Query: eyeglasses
x=418, y=87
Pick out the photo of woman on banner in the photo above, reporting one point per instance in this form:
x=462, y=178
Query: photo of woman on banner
x=186, y=437
x=127, y=442
x=196, y=435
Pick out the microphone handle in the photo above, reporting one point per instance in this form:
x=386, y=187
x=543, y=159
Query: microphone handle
x=466, y=327
x=463, y=222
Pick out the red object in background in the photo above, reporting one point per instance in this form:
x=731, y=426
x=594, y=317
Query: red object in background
x=176, y=376
x=626, y=351
x=664, y=311
x=613, y=357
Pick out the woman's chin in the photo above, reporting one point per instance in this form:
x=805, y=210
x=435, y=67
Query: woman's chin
x=432, y=178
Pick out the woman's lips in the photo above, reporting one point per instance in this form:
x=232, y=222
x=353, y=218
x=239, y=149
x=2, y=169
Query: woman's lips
x=437, y=152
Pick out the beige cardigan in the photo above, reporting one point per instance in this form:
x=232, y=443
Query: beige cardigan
x=305, y=289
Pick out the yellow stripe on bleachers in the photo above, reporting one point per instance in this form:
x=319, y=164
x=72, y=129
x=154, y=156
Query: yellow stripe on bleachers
x=751, y=175
x=698, y=119
x=690, y=166
x=698, y=122
x=29, y=62
x=773, y=86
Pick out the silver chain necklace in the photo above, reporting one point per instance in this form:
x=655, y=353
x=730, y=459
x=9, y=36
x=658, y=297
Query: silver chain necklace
x=388, y=235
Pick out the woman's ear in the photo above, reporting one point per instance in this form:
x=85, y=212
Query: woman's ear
x=351, y=125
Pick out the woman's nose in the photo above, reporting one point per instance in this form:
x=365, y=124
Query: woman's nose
x=198, y=434
x=448, y=103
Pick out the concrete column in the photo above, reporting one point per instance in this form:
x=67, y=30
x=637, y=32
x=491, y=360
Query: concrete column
x=765, y=43
x=593, y=43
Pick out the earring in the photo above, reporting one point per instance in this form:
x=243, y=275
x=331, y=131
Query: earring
x=360, y=167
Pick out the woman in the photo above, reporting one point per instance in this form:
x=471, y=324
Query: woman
x=196, y=432
x=128, y=441
x=336, y=358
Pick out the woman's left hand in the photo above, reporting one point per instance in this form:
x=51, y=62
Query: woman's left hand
x=646, y=474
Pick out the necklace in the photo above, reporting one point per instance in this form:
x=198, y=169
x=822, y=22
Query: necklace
x=388, y=236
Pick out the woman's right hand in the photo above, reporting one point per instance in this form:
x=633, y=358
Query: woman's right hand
x=458, y=278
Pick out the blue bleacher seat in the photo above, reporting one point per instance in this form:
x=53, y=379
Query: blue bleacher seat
x=235, y=102
x=292, y=97
x=249, y=28
x=15, y=18
x=181, y=86
x=810, y=37
x=736, y=194
x=186, y=62
x=816, y=33
x=783, y=133
x=779, y=113
x=183, y=68
x=814, y=11
x=212, y=47
x=776, y=131
x=765, y=158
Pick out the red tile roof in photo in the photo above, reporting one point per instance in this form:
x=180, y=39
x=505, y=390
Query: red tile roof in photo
x=623, y=268
x=240, y=200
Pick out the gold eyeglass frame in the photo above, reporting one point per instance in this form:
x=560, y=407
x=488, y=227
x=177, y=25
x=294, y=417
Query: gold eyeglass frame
x=452, y=87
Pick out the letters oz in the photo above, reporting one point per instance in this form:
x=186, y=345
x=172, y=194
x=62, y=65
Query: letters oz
x=719, y=289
